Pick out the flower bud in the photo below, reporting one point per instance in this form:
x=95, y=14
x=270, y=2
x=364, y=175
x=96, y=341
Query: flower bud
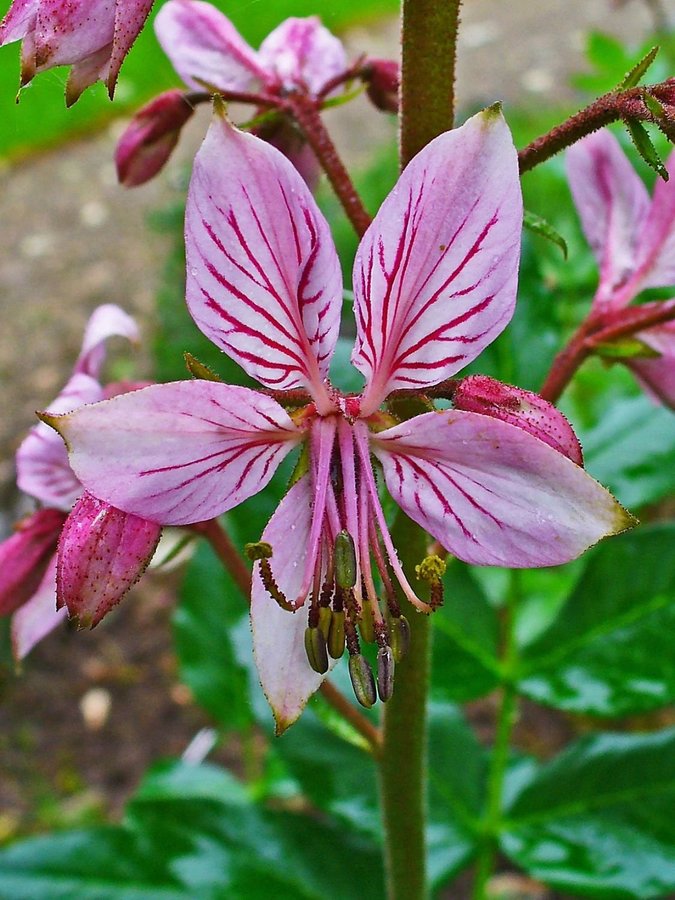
x=149, y=140
x=382, y=77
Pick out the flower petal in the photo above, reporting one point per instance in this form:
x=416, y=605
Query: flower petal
x=263, y=277
x=102, y=553
x=203, y=44
x=492, y=493
x=435, y=274
x=130, y=16
x=19, y=21
x=105, y=322
x=657, y=375
x=178, y=453
x=303, y=54
x=42, y=465
x=613, y=204
x=70, y=31
x=525, y=409
x=278, y=636
x=86, y=72
x=656, y=253
x=36, y=618
x=25, y=555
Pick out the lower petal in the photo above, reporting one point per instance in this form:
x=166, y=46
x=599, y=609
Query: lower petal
x=492, y=493
x=36, y=618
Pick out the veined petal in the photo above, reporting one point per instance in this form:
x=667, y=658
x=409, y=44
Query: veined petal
x=178, y=453
x=435, y=275
x=102, y=553
x=19, y=21
x=657, y=375
x=204, y=46
x=612, y=203
x=42, y=465
x=303, y=54
x=278, y=636
x=105, y=322
x=263, y=277
x=656, y=253
x=70, y=31
x=36, y=618
x=25, y=555
x=130, y=16
x=86, y=72
x=492, y=493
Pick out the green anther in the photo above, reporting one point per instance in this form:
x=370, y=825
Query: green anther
x=367, y=623
x=431, y=569
x=336, y=636
x=363, y=682
x=399, y=637
x=345, y=561
x=385, y=673
x=315, y=648
x=258, y=550
x=325, y=619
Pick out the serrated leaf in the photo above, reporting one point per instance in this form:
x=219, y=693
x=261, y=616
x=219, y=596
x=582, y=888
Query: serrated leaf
x=643, y=145
x=654, y=106
x=609, y=651
x=537, y=225
x=639, y=69
x=598, y=819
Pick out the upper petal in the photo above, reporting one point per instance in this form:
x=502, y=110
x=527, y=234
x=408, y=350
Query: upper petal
x=178, y=453
x=130, y=16
x=278, y=636
x=42, y=466
x=612, y=203
x=36, y=618
x=656, y=253
x=302, y=53
x=263, y=277
x=19, y=21
x=70, y=31
x=102, y=553
x=435, y=275
x=203, y=44
x=492, y=493
x=105, y=322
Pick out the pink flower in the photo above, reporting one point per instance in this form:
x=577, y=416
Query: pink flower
x=209, y=54
x=633, y=239
x=434, y=283
x=101, y=550
x=92, y=36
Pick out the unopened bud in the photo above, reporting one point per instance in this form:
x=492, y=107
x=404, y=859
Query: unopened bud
x=345, y=561
x=382, y=77
x=336, y=635
x=399, y=637
x=315, y=648
x=363, y=682
x=149, y=140
x=385, y=673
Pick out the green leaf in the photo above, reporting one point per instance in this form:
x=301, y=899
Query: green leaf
x=632, y=450
x=625, y=348
x=537, y=225
x=645, y=148
x=465, y=639
x=634, y=76
x=609, y=652
x=598, y=819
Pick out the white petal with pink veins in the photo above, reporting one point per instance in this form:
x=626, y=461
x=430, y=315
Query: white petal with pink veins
x=492, y=493
x=435, y=275
x=263, y=277
x=301, y=53
x=278, y=636
x=178, y=453
x=204, y=46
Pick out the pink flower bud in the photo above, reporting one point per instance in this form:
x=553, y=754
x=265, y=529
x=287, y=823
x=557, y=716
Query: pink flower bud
x=382, y=77
x=149, y=140
x=524, y=409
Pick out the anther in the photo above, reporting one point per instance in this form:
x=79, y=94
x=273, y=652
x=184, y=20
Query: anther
x=385, y=673
x=363, y=682
x=336, y=635
x=345, y=561
x=399, y=637
x=431, y=569
x=315, y=648
x=325, y=620
x=366, y=621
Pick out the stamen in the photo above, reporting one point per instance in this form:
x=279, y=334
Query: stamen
x=399, y=636
x=315, y=648
x=432, y=569
x=336, y=635
x=363, y=682
x=385, y=673
x=345, y=561
x=261, y=552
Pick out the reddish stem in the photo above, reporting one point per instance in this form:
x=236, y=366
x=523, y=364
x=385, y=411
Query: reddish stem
x=354, y=71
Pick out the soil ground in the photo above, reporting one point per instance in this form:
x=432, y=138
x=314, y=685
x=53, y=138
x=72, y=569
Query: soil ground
x=70, y=239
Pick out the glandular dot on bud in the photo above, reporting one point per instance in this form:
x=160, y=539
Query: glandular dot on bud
x=385, y=673
x=363, y=682
x=336, y=635
x=399, y=637
x=345, y=561
x=315, y=648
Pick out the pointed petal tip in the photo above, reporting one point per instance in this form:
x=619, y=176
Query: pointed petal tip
x=50, y=419
x=493, y=112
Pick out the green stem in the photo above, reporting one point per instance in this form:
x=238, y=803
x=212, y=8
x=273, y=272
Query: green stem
x=508, y=710
x=403, y=749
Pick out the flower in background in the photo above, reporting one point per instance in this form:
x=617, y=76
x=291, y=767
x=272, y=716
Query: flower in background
x=210, y=55
x=91, y=36
x=102, y=551
x=497, y=482
x=633, y=239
